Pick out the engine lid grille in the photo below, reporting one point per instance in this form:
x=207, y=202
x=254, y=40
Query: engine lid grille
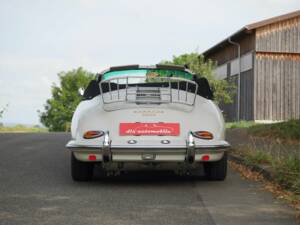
x=148, y=95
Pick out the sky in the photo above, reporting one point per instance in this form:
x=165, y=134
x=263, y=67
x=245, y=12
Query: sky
x=39, y=39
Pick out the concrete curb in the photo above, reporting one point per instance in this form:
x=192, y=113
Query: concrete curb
x=265, y=170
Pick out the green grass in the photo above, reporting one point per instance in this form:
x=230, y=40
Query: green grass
x=252, y=155
x=285, y=161
x=258, y=157
x=240, y=124
x=289, y=130
x=286, y=167
x=287, y=173
x=22, y=128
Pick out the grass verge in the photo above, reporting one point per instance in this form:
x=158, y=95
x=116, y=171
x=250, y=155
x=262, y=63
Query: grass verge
x=275, y=148
x=286, y=168
x=285, y=131
x=288, y=173
x=22, y=128
x=240, y=124
x=277, y=190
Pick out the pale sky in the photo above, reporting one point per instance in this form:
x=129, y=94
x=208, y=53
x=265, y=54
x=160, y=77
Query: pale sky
x=38, y=39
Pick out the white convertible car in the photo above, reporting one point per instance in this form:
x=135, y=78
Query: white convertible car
x=148, y=117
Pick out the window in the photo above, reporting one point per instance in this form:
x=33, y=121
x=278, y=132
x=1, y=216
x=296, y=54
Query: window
x=221, y=72
x=145, y=75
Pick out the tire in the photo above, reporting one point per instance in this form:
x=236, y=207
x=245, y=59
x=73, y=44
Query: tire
x=81, y=171
x=216, y=171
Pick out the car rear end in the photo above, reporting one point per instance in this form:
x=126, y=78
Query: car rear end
x=149, y=124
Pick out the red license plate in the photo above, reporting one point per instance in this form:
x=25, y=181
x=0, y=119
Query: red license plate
x=149, y=129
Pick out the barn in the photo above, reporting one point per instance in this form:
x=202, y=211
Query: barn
x=263, y=59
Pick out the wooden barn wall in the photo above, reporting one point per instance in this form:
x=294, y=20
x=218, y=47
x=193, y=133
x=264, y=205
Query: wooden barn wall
x=277, y=86
x=246, y=99
x=229, y=51
x=282, y=36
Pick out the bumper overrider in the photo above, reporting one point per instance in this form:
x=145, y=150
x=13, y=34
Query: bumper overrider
x=133, y=152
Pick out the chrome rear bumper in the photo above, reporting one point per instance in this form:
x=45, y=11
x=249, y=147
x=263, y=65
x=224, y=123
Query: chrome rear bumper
x=138, y=153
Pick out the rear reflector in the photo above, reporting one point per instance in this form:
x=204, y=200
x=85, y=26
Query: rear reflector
x=205, y=157
x=92, y=157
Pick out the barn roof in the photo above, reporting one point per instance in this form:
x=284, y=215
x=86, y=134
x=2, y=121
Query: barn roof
x=250, y=27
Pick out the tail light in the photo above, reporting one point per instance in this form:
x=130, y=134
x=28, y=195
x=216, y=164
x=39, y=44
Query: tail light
x=93, y=134
x=205, y=157
x=203, y=135
x=92, y=157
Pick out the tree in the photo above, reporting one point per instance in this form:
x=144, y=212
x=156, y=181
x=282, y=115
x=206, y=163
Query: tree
x=223, y=90
x=60, y=107
x=2, y=110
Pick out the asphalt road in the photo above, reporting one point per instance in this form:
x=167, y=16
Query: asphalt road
x=36, y=188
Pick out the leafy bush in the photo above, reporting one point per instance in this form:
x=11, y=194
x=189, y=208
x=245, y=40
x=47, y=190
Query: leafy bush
x=223, y=89
x=60, y=108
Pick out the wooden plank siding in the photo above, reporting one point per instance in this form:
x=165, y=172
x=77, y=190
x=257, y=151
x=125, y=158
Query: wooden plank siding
x=226, y=54
x=271, y=89
x=277, y=71
x=282, y=37
x=277, y=86
x=246, y=95
x=246, y=98
x=229, y=52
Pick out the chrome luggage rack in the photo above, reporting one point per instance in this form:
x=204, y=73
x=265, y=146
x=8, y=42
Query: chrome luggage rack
x=119, y=89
